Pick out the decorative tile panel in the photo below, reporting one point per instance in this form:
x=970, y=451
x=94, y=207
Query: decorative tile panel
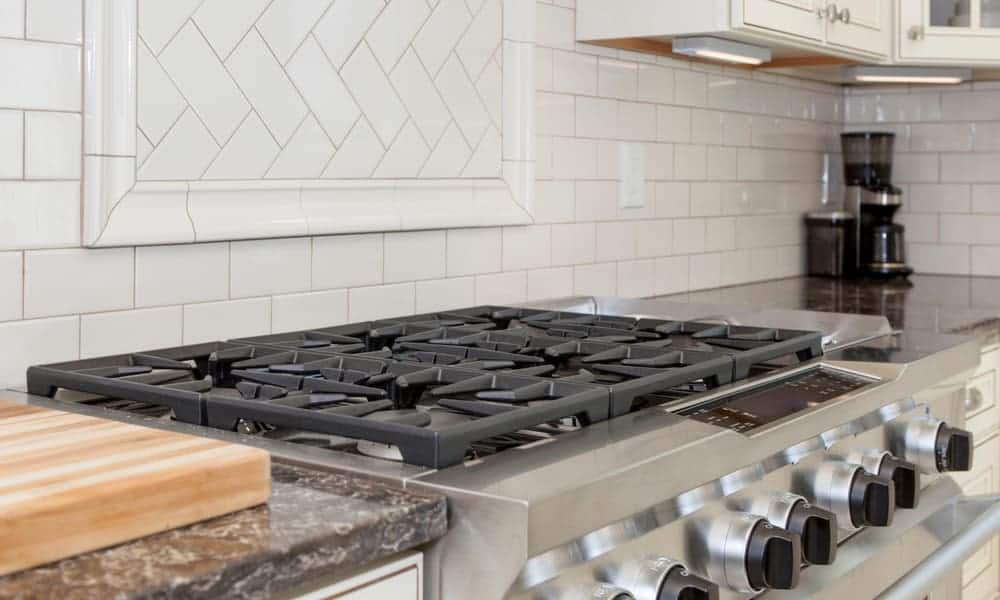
x=279, y=97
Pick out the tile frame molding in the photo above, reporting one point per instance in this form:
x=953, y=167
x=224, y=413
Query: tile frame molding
x=120, y=211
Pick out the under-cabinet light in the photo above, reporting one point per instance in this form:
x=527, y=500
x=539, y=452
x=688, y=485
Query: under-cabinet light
x=713, y=48
x=926, y=75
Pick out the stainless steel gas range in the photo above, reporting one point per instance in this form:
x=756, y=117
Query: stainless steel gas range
x=601, y=448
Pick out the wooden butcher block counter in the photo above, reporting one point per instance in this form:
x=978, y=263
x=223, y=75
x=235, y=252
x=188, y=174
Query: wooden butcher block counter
x=72, y=483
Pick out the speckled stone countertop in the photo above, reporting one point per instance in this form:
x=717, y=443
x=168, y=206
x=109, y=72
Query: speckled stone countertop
x=943, y=304
x=317, y=524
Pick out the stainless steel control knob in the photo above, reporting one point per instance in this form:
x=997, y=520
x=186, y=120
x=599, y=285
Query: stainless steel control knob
x=857, y=497
x=748, y=554
x=658, y=578
x=816, y=526
x=904, y=476
x=934, y=446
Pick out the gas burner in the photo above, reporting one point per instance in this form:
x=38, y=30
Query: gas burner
x=433, y=389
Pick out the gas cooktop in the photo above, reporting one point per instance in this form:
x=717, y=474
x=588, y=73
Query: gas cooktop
x=433, y=389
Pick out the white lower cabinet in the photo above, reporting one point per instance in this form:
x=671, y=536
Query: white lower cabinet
x=401, y=579
x=981, y=573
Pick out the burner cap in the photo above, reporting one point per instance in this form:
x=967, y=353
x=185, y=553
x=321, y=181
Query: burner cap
x=377, y=450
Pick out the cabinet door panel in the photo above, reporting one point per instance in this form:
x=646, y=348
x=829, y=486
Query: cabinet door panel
x=926, y=37
x=868, y=27
x=793, y=17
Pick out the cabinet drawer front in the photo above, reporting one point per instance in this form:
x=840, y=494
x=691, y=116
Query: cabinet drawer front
x=403, y=586
x=792, y=17
x=983, y=562
x=983, y=416
x=985, y=467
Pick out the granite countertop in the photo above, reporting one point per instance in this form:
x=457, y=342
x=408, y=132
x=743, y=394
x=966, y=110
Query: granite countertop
x=316, y=524
x=938, y=303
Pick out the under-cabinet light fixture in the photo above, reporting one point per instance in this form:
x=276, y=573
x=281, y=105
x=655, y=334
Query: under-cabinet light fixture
x=713, y=48
x=926, y=75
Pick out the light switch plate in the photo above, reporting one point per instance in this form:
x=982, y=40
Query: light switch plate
x=632, y=175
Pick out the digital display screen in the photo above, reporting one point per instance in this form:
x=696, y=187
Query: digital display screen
x=746, y=411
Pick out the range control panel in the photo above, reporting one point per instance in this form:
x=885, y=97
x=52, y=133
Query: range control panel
x=745, y=411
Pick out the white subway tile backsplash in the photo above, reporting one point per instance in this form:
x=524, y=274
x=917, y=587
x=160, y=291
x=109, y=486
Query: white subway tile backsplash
x=951, y=259
x=544, y=284
x=181, y=274
x=555, y=201
x=596, y=280
x=444, y=294
x=596, y=200
x=130, y=331
x=40, y=76
x=690, y=162
x=673, y=200
x=11, y=280
x=971, y=168
x=637, y=121
x=226, y=320
x=344, y=261
x=616, y=240
x=617, y=78
x=268, y=267
x=39, y=214
x=295, y=312
x=689, y=236
x=27, y=343
x=574, y=158
x=472, y=251
x=72, y=281
x=595, y=118
x=656, y=84
x=417, y=108
x=574, y=73
x=691, y=88
x=502, y=288
x=380, y=302
x=224, y=22
x=11, y=144
x=52, y=145
x=938, y=198
x=636, y=279
x=941, y=137
x=574, y=243
x=54, y=21
x=986, y=199
x=919, y=227
x=266, y=85
x=674, y=124
x=672, y=275
x=526, y=247
x=198, y=74
x=12, y=18
x=986, y=261
x=415, y=255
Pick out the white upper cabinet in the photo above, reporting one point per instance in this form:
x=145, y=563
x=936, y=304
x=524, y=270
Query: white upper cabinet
x=853, y=29
x=948, y=32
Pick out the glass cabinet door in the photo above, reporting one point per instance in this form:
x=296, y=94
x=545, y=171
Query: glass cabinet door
x=967, y=14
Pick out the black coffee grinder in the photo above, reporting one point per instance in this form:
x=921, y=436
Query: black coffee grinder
x=873, y=200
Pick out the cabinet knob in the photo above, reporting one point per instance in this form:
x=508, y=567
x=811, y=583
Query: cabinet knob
x=975, y=400
x=845, y=16
x=916, y=33
x=832, y=14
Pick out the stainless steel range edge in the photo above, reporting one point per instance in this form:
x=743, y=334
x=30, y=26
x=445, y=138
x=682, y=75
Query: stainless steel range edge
x=604, y=448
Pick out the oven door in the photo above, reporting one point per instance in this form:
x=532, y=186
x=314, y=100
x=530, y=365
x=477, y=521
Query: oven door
x=919, y=556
